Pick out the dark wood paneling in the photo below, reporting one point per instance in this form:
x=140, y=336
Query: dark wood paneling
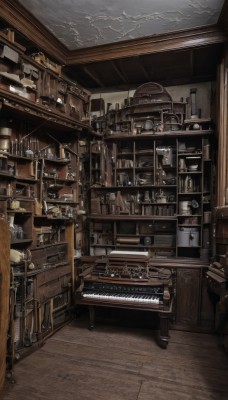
x=187, y=302
x=206, y=317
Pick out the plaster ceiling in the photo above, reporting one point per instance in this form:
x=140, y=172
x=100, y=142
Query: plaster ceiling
x=87, y=23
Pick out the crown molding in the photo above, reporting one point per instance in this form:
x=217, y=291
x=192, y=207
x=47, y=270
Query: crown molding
x=25, y=23
x=147, y=45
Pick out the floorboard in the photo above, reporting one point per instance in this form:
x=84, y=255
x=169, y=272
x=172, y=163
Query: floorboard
x=121, y=363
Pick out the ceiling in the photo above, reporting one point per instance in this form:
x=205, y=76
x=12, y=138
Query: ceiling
x=110, y=45
x=86, y=23
x=166, y=68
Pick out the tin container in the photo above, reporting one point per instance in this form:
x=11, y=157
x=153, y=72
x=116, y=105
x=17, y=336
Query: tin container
x=188, y=237
x=184, y=208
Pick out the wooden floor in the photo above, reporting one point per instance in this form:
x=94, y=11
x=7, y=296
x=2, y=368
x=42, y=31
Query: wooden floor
x=121, y=363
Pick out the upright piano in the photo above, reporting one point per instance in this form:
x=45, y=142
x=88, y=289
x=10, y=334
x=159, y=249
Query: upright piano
x=127, y=280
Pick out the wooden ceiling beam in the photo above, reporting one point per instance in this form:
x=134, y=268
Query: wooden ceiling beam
x=191, y=63
x=93, y=76
x=119, y=73
x=142, y=67
x=148, y=45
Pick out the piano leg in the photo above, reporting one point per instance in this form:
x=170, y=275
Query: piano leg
x=164, y=330
x=91, y=317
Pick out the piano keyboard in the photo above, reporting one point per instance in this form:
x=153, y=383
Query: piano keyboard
x=134, y=298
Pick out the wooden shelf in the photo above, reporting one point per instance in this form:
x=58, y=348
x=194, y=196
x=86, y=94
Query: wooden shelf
x=189, y=247
x=189, y=215
x=21, y=241
x=56, y=160
x=19, y=212
x=57, y=201
x=190, y=172
x=26, y=179
x=164, y=135
x=52, y=219
x=6, y=175
x=143, y=187
x=19, y=157
x=132, y=218
x=189, y=225
x=189, y=193
x=33, y=110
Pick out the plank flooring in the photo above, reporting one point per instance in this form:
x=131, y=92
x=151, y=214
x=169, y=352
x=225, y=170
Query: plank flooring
x=121, y=363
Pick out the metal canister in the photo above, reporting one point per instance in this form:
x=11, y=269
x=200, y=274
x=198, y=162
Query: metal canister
x=5, y=136
x=5, y=132
x=188, y=237
x=184, y=207
x=4, y=144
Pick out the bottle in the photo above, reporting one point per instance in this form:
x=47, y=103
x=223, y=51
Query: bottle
x=20, y=233
x=16, y=147
x=9, y=190
x=190, y=184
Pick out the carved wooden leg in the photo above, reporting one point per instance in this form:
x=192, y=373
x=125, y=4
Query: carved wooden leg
x=164, y=330
x=91, y=317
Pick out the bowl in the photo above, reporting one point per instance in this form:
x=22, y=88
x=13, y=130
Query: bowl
x=193, y=167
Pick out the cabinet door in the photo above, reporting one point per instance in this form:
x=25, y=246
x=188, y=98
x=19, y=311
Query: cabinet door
x=206, y=307
x=188, y=296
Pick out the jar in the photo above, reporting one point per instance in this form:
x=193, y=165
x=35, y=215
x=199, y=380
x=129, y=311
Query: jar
x=20, y=233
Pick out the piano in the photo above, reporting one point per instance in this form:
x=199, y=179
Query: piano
x=127, y=280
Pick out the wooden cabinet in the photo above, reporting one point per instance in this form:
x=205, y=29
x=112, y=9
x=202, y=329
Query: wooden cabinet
x=38, y=82
x=42, y=116
x=192, y=308
x=151, y=178
x=188, y=295
x=53, y=290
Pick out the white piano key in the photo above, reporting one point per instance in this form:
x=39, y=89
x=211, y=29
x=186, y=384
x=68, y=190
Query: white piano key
x=148, y=299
